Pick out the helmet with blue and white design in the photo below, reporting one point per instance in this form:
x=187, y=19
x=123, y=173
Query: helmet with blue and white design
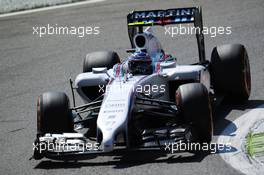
x=140, y=63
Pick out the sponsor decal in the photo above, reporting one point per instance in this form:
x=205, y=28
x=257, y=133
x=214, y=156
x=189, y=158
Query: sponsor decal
x=165, y=13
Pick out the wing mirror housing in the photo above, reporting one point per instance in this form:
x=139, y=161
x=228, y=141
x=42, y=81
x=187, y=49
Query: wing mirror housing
x=99, y=70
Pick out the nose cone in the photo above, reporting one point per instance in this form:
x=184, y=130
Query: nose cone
x=114, y=112
x=108, y=144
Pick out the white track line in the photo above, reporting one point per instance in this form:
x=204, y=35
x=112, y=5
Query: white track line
x=49, y=8
x=238, y=159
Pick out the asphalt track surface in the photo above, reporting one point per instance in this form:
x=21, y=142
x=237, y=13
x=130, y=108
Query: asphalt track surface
x=30, y=65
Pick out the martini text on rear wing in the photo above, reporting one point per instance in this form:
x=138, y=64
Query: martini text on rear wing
x=162, y=17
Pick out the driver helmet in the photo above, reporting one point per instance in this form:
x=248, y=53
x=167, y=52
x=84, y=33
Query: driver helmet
x=140, y=63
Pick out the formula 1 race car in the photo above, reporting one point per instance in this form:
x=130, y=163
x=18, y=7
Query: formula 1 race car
x=144, y=102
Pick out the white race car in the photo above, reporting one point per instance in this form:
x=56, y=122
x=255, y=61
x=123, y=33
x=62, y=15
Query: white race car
x=144, y=102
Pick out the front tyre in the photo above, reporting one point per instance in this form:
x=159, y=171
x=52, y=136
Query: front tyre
x=194, y=104
x=53, y=113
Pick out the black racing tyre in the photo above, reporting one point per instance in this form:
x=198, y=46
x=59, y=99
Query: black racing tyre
x=100, y=59
x=230, y=72
x=194, y=104
x=53, y=113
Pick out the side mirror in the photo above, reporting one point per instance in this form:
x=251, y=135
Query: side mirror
x=99, y=70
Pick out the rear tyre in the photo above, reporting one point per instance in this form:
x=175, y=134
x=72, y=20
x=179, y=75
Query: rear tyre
x=98, y=59
x=230, y=72
x=53, y=113
x=194, y=104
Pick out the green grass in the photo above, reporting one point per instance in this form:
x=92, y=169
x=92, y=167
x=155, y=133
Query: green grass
x=255, y=143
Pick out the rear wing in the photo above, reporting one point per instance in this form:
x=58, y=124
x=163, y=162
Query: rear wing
x=137, y=20
x=161, y=17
